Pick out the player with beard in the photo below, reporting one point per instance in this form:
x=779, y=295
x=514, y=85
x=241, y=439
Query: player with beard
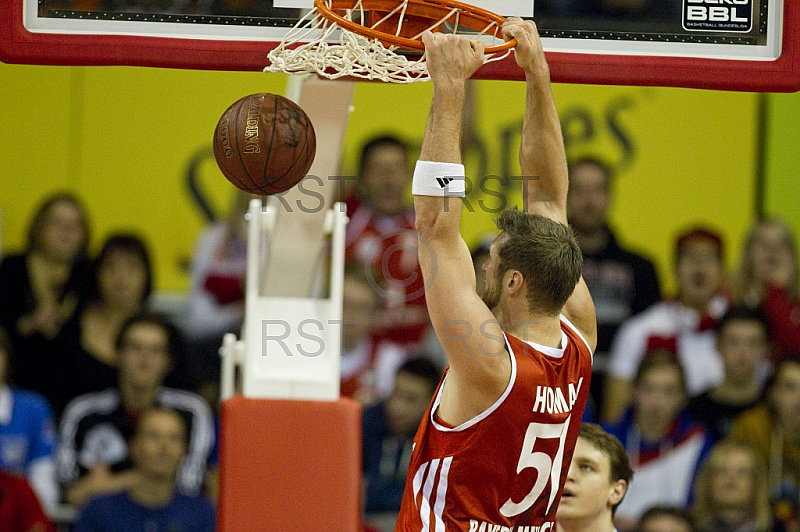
x=494, y=448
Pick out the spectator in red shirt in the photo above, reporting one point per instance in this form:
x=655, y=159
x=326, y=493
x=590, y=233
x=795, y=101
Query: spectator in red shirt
x=20, y=510
x=683, y=326
x=381, y=237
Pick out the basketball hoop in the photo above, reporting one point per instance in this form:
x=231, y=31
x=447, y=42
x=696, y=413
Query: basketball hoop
x=380, y=39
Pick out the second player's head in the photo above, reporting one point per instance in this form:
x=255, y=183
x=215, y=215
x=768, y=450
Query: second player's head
x=598, y=478
x=537, y=251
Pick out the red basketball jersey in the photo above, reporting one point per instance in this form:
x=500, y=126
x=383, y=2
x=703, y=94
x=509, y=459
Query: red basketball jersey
x=503, y=471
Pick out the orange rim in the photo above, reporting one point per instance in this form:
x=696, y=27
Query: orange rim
x=469, y=16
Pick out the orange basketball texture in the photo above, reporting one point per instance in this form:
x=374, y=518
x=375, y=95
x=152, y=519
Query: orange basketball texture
x=264, y=143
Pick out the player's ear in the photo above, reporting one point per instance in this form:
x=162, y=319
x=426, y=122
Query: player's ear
x=617, y=492
x=513, y=281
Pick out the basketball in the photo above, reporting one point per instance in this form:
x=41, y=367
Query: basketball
x=264, y=144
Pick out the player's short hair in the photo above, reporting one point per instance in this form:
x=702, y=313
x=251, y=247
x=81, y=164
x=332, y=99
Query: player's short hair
x=610, y=446
x=660, y=358
x=546, y=253
x=375, y=143
x=423, y=368
x=743, y=313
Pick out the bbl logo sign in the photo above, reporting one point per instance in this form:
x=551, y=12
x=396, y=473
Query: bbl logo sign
x=718, y=15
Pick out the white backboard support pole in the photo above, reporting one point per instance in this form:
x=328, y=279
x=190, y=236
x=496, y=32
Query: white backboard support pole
x=294, y=255
x=291, y=339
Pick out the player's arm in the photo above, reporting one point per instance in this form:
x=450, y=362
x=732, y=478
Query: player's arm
x=469, y=334
x=542, y=158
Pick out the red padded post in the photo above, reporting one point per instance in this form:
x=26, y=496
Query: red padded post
x=289, y=465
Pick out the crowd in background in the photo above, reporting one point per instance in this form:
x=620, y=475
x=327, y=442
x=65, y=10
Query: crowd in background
x=112, y=409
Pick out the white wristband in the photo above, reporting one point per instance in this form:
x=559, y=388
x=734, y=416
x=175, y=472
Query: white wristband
x=438, y=179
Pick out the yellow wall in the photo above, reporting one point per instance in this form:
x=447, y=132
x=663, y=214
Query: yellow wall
x=121, y=138
x=782, y=161
x=683, y=156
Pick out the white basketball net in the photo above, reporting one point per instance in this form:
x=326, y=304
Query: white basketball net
x=316, y=45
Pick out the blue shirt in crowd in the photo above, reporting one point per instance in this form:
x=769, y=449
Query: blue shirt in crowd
x=27, y=431
x=120, y=513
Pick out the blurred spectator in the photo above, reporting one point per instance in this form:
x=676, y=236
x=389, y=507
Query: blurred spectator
x=768, y=277
x=683, y=326
x=216, y=302
x=598, y=478
x=360, y=304
x=743, y=344
x=666, y=519
x=40, y=290
x=388, y=431
x=121, y=282
x=20, y=510
x=381, y=236
x=153, y=502
x=622, y=283
x=731, y=492
x=664, y=445
x=367, y=368
x=93, y=455
x=27, y=434
x=773, y=431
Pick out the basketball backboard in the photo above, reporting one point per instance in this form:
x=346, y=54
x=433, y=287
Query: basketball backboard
x=719, y=44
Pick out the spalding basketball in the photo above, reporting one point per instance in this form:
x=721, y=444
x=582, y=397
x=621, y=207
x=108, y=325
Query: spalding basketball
x=264, y=144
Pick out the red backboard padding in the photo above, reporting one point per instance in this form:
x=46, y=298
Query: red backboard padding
x=289, y=465
x=17, y=45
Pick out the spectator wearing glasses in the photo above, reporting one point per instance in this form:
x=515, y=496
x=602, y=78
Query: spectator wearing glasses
x=93, y=456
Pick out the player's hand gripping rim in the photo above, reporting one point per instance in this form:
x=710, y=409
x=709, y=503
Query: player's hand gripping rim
x=528, y=52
